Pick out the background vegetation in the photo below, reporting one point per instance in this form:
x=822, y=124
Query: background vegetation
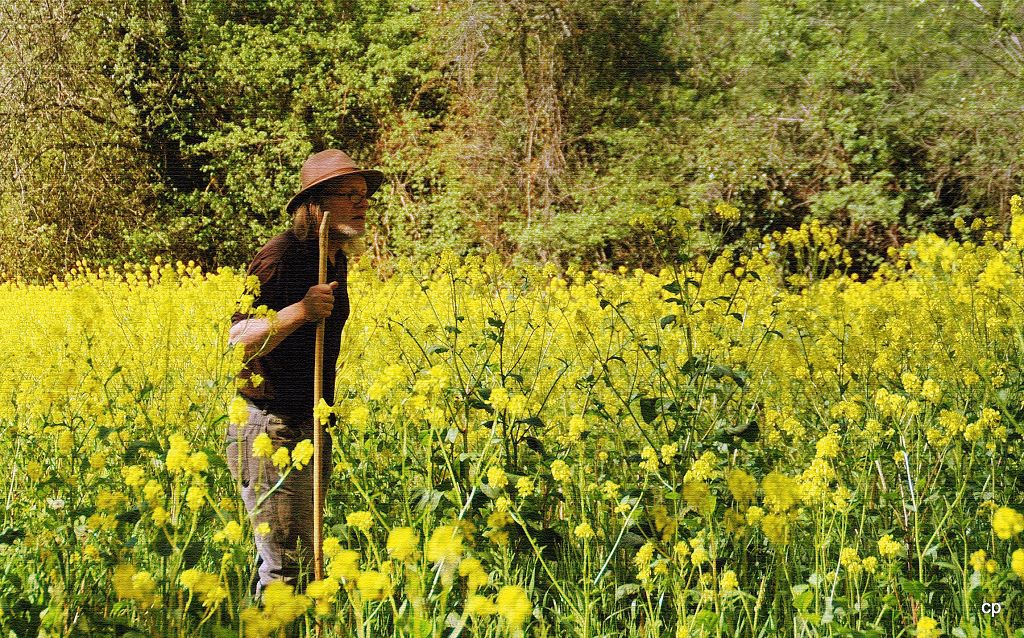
x=536, y=128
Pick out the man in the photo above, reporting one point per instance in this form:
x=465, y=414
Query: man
x=282, y=352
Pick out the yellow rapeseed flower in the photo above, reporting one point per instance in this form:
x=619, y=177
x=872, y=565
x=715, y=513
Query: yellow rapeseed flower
x=699, y=555
x=870, y=564
x=775, y=528
x=560, y=471
x=514, y=605
x=322, y=412
x=525, y=486
x=498, y=519
x=262, y=446
x=159, y=515
x=1017, y=563
x=403, y=544
x=473, y=571
x=978, y=559
x=610, y=490
x=583, y=531
x=362, y=521
x=445, y=545
x=97, y=460
x=577, y=427
x=344, y=566
x=198, y=463
x=696, y=494
x=668, y=452
x=282, y=605
x=281, y=459
x=888, y=548
x=231, y=533
x=196, y=497
x=374, y=585
x=110, y=501
x=34, y=470
x=302, y=453
x=754, y=514
x=1007, y=522
x=499, y=398
x=931, y=391
x=496, y=477
x=178, y=454
x=781, y=492
x=65, y=442
x=238, y=411
x=828, y=446
x=139, y=586
x=682, y=551
x=705, y=468
x=849, y=559
x=153, y=492
x=743, y=486
x=326, y=588
x=331, y=546
x=728, y=581
x=928, y=628
x=122, y=580
x=477, y=605
x=650, y=459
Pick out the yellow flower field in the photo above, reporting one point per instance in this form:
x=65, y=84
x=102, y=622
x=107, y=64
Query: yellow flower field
x=756, y=446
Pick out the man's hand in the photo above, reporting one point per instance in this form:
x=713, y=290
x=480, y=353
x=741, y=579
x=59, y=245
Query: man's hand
x=318, y=302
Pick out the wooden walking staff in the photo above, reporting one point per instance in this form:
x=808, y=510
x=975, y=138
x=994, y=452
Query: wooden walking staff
x=318, y=393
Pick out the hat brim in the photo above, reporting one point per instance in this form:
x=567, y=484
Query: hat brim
x=374, y=180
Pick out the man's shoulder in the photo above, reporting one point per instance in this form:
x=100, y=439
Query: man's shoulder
x=283, y=248
x=278, y=246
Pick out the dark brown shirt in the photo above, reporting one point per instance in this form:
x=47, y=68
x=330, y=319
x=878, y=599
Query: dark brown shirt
x=287, y=268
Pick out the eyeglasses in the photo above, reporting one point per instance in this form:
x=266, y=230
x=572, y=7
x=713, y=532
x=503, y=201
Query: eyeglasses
x=350, y=197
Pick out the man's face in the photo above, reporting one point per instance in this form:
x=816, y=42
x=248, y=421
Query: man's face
x=348, y=219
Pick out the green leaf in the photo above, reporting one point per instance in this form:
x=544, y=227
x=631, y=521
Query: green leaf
x=532, y=421
x=803, y=596
x=130, y=517
x=707, y=620
x=534, y=444
x=11, y=534
x=624, y=591
x=162, y=545
x=428, y=500
x=913, y=587
x=192, y=553
x=133, y=452
x=667, y=320
x=648, y=409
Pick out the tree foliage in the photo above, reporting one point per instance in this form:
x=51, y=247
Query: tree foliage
x=538, y=128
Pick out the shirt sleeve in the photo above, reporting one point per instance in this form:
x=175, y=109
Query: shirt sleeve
x=269, y=270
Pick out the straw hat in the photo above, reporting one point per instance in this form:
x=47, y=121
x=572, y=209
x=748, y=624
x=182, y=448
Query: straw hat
x=326, y=165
